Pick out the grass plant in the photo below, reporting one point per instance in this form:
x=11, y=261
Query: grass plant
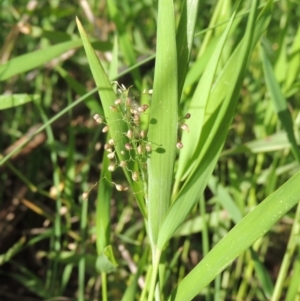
x=181, y=183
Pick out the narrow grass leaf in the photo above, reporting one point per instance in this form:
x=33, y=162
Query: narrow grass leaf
x=215, y=134
x=198, y=107
x=280, y=103
x=103, y=207
x=293, y=288
x=293, y=63
x=242, y=236
x=12, y=251
x=130, y=292
x=117, y=127
x=126, y=44
x=198, y=67
x=163, y=120
x=35, y=59
x=113, y=67
x=262, y=274
x=11, y=101
x=185, y=38
x=225, y=199
x=217, y=95
x=90, y=102
x=288, y=260
x=30, y=281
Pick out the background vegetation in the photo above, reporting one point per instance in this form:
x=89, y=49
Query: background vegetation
x=67, y=232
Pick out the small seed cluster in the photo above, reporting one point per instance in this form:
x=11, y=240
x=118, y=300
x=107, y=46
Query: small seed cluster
x=136, y=145
x=183, y=127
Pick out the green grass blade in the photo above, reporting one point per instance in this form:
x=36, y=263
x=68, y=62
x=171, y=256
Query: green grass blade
x=280, y=103
x=130, y=292
x=185, y=38
x=217, y=95
x=293, y=63
x=125, y=43
x=103, y=208
x=163, y=120
x=198, y=108
x=288, y=260
x=11, y=101
x=90, y=102
x=241, y=237
x=12, y=251
x=35, y=59
x=113, y=68
x=212, y=141
x=117, y=128
x=262, y=274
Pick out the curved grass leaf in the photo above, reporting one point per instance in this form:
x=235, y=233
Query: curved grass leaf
x=35, y=59
x=11, y=101
x=198, y=108
x=215, y=132
x=117, y=128
x=242, y=236
x=185, y=38
x=125, y=43
x=280, y=103
x=103, y=207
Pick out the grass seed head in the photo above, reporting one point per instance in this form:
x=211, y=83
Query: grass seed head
x=111, y=167
x=136, y=119
x=135, y=176
x=145, y=107
x=179, y=145
x=129, y=134
x=128, y=146
x=142, y=134
x=113, y=108
x=187, y=116
x=139, y=149
x=123, y=163
x=128, y=101
x=185, y=127
x=85, y=195
x=98, y=118
x=111, y=155
x=134, y=111
x=119, y=187
x=105, y=129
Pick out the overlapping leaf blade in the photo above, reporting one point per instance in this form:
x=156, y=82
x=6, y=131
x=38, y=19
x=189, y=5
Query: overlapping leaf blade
x=215, y=131
x=241, y=237
x=117, y=128
x=163, y=120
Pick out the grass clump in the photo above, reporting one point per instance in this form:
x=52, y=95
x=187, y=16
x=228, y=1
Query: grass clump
x=180, y=183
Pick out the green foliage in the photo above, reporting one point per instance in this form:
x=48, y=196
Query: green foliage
x=180, y=182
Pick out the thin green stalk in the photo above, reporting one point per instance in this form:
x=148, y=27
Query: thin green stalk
x=58, y=203
x=153, y=283
x=82, y=261
x=205, y=239
x=147, y=284
x=287, y=259
x=104, y=286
